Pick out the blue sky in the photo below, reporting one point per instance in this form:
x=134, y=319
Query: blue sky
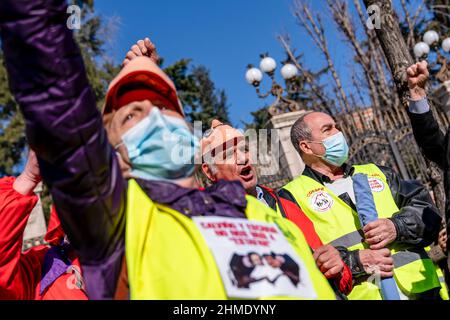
x=222, y=35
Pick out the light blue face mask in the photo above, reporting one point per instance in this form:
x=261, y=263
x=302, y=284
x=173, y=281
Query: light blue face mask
x=161, y=147
x=336, y=149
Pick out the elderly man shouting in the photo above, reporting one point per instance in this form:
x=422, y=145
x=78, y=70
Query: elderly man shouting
x=226, y=156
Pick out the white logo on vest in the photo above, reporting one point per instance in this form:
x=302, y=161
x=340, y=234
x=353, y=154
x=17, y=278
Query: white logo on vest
x=321, y=201
x=254, y=259
x=376, y=184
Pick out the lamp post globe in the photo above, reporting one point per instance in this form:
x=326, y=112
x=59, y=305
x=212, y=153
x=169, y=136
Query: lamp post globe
x=268, y=65
x=253, y=76
x=289, y=71
x=421, y=49
x=430, y=37
x=446, y=44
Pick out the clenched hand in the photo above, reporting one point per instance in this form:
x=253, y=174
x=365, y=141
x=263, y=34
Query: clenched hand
x=380, y=233
x=417, y=79
x=142, y=48
x=377, y=261
x=329, y=261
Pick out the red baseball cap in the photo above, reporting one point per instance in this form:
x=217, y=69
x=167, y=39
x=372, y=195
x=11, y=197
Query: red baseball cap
x=142, y=79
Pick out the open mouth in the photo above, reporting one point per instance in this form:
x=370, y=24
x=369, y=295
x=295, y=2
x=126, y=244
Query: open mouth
x=246, y=173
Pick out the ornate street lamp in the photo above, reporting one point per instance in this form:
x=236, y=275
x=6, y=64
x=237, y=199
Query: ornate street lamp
x=430, y=39
x=282, y=102
x=421, y=50
x=431, y=42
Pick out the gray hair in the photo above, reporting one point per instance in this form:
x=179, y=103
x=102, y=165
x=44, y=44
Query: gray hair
x=300, y=131
x=201, y=176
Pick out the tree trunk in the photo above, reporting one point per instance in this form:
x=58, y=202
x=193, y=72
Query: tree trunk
x=393, y=45
x=399, y=59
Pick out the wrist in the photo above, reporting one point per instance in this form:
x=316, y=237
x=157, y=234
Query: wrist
x=398, y=235
x=355, y=264
x=25, y=184
x=417, y=93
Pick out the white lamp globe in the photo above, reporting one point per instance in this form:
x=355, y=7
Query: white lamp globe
x=421, y=49
x=253, y=76
x=430, y=37
x=268, y=65
x=446, y=44
x=289, y=71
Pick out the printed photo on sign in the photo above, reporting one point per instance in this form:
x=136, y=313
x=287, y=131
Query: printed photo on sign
x=271, y=267
x=321, y=201
x=254, y=259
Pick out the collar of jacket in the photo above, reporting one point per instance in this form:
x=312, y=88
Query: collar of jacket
x=319, y=177
x=56, y=263
x=225, y=198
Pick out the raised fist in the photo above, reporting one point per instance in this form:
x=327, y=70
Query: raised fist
x=417, y=79
x=142, y=48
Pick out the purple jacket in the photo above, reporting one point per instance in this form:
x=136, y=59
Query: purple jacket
x=65, y=128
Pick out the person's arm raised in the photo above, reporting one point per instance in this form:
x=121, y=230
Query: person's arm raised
x=425, y=127
x=64, y=127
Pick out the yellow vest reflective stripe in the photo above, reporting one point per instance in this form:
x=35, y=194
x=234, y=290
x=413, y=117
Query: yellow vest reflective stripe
x=443, y=292
x=338, y=224
x=168, y=258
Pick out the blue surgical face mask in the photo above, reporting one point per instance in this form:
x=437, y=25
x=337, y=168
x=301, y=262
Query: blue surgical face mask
x=161, y=147
x=336, y=149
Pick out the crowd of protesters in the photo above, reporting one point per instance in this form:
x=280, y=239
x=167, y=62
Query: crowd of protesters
x=130, y=220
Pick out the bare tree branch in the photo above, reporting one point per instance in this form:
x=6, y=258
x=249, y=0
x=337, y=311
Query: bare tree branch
x=418, y=12
x=410, y=42
x=314, y=87
x=316, y=30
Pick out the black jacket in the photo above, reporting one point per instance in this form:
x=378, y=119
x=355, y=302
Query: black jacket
x=435, y=146
x=417, y=222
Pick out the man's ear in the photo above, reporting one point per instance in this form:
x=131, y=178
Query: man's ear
x=304, y=147
x=208, y=172
x=124, y=162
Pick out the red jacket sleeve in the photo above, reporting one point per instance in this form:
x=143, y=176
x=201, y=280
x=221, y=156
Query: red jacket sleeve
x=19, y=273
x=345, y=282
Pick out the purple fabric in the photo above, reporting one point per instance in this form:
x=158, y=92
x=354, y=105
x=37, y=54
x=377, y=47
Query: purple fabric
x=225, y=198
x=65, y=128
x=55, y=265
x=100, y=278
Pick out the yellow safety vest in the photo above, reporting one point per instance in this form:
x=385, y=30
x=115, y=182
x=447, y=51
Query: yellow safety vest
x=338, y=224
x=443, y=292
x=168, y=258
